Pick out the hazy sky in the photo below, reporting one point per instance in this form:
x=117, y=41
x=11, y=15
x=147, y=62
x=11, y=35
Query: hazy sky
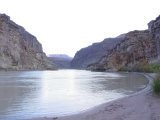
x=65, y=26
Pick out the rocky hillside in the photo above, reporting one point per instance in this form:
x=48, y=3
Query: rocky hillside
x=154, y=29
x=94, y=52
x=19, y=50
x=137, y=48
x=61, y=60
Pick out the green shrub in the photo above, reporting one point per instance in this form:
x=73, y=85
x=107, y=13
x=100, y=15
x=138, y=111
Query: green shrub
x=156, y=85
x=149, y=68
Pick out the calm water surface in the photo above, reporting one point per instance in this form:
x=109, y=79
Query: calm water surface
x=30, y=94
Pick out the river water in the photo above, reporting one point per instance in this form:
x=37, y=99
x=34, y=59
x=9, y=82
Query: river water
x=31, y=94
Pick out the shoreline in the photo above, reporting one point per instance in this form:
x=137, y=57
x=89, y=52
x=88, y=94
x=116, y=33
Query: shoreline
x=133, y=107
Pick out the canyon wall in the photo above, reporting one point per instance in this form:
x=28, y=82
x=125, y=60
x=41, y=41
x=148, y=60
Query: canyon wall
x=19, y=50
x=94, y=52
x=137, y=49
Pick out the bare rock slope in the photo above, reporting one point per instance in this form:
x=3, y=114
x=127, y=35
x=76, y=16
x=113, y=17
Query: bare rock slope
x=19, y=50
x=137, y=48
x=94, y=52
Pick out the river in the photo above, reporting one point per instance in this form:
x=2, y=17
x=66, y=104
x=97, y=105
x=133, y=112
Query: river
x=31, y=94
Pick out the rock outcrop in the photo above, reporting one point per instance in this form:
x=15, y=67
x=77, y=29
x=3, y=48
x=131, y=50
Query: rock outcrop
x=154, y=28
x=19, y=50
x=94, y=52
x=137, y=48
x=61, y=60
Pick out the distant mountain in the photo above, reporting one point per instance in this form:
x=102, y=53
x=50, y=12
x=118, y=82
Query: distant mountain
x=62, y=60
x=60, y=56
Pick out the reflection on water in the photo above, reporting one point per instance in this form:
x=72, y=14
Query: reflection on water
x=32, y=94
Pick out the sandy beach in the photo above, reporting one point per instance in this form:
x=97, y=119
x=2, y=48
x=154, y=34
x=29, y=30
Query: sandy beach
x=143, y=105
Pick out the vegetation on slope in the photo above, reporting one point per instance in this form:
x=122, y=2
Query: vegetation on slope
x=156, y=85
x=148, y=68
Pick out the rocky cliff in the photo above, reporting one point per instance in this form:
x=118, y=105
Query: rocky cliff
x=19, y=50
x=137, y=48
x=94, y=52
x=154, y=29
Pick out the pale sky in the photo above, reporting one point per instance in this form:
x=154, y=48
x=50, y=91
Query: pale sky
x=65, y=26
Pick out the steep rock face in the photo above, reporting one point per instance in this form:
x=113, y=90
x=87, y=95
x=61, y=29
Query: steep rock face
x=154, y=28
x=94, y=52
x=19, y=50
x=138, y=47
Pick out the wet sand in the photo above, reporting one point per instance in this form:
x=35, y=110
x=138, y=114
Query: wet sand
x=143, y=105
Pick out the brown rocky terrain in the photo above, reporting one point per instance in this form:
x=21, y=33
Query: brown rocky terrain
x=19, y=50
x=94, y=52
x=154, y=29
x=137, y=48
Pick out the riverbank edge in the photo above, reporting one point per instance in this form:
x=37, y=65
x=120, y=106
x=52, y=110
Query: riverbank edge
x=86, y=115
